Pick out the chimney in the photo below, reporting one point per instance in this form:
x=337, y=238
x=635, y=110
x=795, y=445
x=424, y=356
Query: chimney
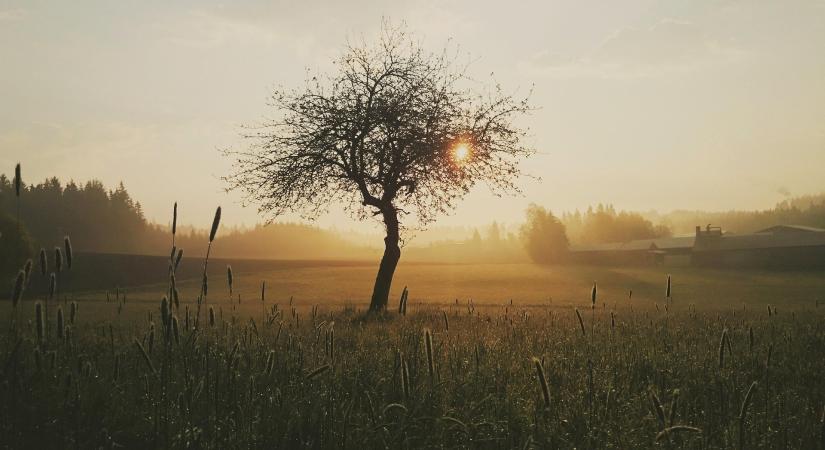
x=698, y=230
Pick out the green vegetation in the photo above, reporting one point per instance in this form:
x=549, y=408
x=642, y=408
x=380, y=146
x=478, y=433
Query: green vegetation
x=604, y=224
x=808, y=210
x=219, y=354
x=15, y=246
x=273, y=374
x=544, y=236
x=111, y=221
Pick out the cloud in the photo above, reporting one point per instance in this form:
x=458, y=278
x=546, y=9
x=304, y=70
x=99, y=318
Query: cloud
x=202, y=29
x=667, y=45
x=666, y=42
x=12, y=15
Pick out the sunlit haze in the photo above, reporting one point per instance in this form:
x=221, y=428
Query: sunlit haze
x=642, y=104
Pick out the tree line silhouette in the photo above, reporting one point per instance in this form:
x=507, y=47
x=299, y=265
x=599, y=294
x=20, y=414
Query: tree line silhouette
x=105, y=220
x=547, y=238
x=807, y=210
x=603, y=224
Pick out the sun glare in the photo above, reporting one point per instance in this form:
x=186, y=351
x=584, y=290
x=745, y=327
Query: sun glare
x=461, y=152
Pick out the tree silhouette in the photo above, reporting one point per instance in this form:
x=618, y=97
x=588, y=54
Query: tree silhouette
x=394, y=130
x=544, y=236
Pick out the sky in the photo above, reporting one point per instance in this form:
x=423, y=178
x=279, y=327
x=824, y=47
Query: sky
x=644, y=104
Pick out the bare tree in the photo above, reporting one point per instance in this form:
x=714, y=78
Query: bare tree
x=395, y=130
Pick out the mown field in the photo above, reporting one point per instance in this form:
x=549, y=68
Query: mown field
x=733, y=360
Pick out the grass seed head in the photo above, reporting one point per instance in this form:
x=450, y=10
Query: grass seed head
x=17, y=180
x=58, y=259
x=175, y=218
x=545, y=390
x=19, y=286
x=68, y=244
x=215, y=223
x=229, y=277
x=593, y=294
x=27, y=269
x=164, y=311
x=178, y=258
x=44, y=265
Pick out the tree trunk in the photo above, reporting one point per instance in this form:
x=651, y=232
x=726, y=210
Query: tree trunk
x=392, y=253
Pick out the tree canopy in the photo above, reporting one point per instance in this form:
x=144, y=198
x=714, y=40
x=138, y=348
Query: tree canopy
x=544, y=236
x=392, y=130
x=604, y=224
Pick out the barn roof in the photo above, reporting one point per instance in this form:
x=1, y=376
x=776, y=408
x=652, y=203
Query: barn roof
x=792, y=229
x=675, y=242
x=638, y=245
x=761, y=240
x=613, y=246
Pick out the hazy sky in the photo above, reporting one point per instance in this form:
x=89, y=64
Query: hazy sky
x=645, y=104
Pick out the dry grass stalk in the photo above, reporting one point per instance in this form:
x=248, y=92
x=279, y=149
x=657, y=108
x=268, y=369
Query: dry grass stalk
x=581, y=322
x=743, y=411
x=428, y=346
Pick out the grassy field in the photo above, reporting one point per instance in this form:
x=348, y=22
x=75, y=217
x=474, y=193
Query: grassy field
x=315, y=373
x=336, y=283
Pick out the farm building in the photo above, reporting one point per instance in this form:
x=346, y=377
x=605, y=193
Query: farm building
x=781, y=246
x=673, y=250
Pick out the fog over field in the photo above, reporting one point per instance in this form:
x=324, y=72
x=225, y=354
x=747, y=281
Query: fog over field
x=370, y=224
x=646, y=105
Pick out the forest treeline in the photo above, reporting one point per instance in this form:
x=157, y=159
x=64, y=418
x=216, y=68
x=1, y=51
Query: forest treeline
x=603, y=224
x=807, y=210
x=110, y=221
x=543, y=236
x=496, y=243
x=105, y=220
x=547, y=238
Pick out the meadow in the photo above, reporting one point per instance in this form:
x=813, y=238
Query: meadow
x=349, y=283
x=484, y=356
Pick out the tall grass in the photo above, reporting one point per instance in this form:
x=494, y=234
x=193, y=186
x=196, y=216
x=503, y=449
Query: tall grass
x=636, y=379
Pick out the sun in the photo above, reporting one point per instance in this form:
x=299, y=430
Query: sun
x=461, y=152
